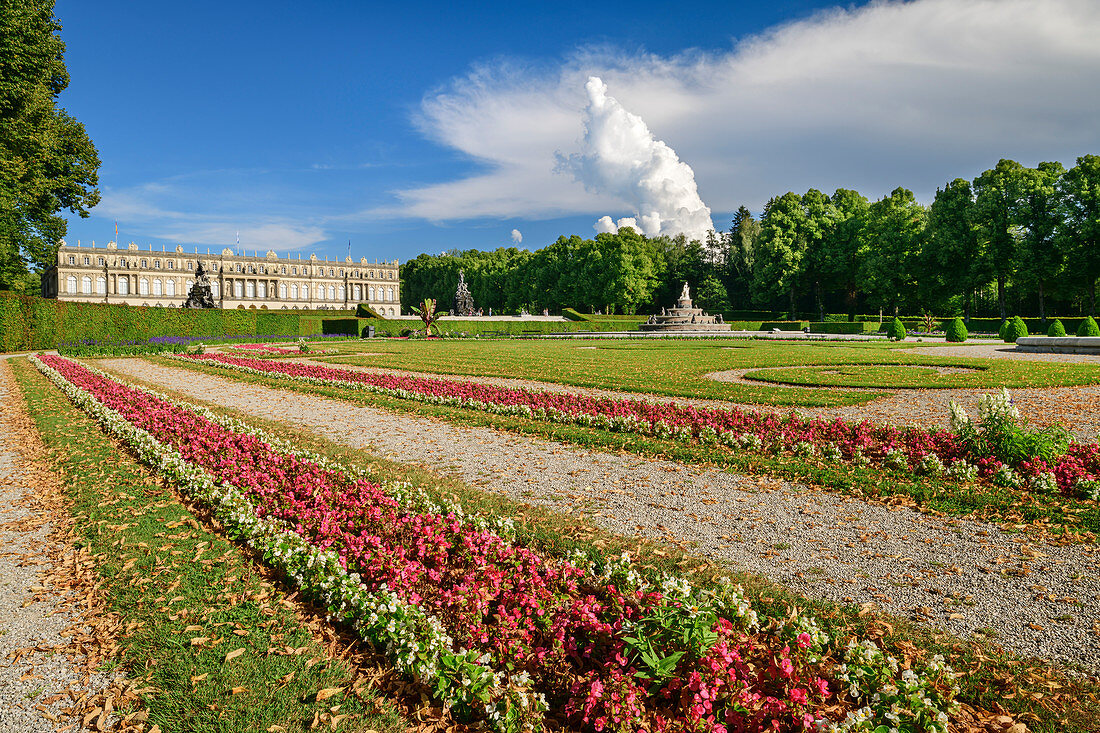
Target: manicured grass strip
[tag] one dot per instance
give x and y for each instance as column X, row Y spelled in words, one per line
column 191, row 598
column 1016, row 508
column 992, row 680
column 678, row 368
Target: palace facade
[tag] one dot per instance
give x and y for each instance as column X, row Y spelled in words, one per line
column 134, row 276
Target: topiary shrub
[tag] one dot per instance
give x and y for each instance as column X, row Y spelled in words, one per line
column 1056, row 329
column 896, row 330
column 1088, row 327
column 956, row 331
column 1015, row 329
column 1002, row 332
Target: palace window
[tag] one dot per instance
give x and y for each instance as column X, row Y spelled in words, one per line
column 86, row 285
column 250, row 289
column 389, row 294
column 101, row 262
column 282, row 290
column 343, row 293
column 238, row 288
column 358, row 292
column 370, row 290
column 190, row 284
column 372, row 273
column 331, row 293
column 238, row 267
column 341, row 272
column 170, row 288
column 124, row 286
column 87, row 260
column 171, row 264
column 143, row 286
column 190, row 265
column 144, row 264
column 122, row 263
column 156, row 264
column 214, row 267
column 158, row 288
column 294, row 270
column 284, row 269
column 215, row 290
column 261, row 289
column 71, row 284
column 72, row 259
column 101, row 285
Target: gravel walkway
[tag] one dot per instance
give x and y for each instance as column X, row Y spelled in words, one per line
column 959, row 575
column 42, row 677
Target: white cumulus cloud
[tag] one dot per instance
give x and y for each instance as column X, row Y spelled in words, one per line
column 517, row 236
column 887, row 94
column 620, row 156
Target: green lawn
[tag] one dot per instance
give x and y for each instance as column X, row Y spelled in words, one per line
column 678, row 368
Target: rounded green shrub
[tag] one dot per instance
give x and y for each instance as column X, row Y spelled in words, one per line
column 1088, row 327
column 1002, row 332
column 956, row 331
column 1056, row 329
column 1015, row 329
column 896, row 330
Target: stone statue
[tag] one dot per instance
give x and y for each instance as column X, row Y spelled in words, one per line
column 464, row 302
column 684, row 295
column 200, row 295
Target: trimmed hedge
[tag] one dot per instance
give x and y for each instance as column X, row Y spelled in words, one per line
column 956, row 332
column 29, row 322
column 856, row 327
column 1088, row 327
column 784, row 325
column 1014, row 329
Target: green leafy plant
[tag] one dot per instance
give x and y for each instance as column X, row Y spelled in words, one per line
column 928, row 322
column 428, row 314
column 663, row 637
column 1015, row 329
column 1088, row 328
column 956, row 331
column 1056, row 329
column 896, row 330
column 1002, row 432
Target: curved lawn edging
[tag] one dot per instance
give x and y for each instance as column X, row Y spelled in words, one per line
column 610, row 631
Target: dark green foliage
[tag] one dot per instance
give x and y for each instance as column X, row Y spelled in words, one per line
column 1056, row 329
column 956, row 331
column 896, row 330
column 363, row 310
column 1088, row 328
column 1002, row 331
column 37, row 323
column 1014, row 329
column 843, row 327
column 47, row 161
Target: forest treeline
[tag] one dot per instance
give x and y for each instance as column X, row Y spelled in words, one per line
column 1014, row 240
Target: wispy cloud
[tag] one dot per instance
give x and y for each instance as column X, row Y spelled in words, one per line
column 893, row 93
column 193, row 209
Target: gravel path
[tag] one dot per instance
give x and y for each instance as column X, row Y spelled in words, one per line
column 41, row 679
column 959, row 575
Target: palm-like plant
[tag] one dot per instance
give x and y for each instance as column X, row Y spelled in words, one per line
column 428, row 314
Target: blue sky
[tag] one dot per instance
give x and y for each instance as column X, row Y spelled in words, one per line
column 416, row 127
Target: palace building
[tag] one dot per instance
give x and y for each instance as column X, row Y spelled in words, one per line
column 134, row 276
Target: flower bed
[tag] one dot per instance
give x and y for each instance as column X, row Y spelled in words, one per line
column 264, row 348
column 966, row 453
column 495, row 628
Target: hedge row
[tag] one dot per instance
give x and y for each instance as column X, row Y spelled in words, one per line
column 28, row 322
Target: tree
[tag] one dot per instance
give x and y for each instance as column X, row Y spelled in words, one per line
column 47, row 161
column 1080, row 196
column 781, row 250
column 843, row 246
column 1038, row 216
column 741, row 253
column 996, row 193
column 895, row 225
column 428, row 314
column 820, row 217
column 954, row 261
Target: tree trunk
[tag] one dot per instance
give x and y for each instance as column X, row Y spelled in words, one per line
column 791, row 291
column 820, row 302
column 1042, row 304
column 1092, row 298
column 1001, row 296
column 966, row 308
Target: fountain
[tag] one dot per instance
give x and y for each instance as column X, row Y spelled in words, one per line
column 684, row 318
